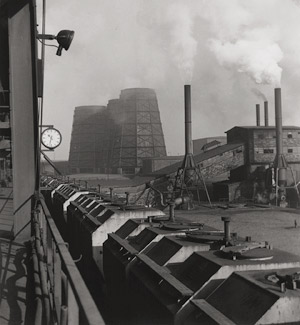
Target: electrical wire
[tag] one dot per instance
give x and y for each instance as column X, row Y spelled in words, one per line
column 45, row 44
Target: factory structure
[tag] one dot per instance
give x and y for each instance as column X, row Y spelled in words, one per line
column 74, row 254
column 115, row 139
column 126, row 137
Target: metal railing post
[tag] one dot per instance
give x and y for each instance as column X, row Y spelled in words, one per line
column 66, row 299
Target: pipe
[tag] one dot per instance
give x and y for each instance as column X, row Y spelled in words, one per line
column 172, row 212
column 182, row 200
column 174, row 203
column 64, row 315
column 257, row 115
column 266, row 108
column 127, row 198
column 148, row 185
column 188, row 120
column 227, row 236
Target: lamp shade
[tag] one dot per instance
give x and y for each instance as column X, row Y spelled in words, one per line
column 64, row 39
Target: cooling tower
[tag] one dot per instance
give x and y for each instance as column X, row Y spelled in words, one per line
column 138, row 131
column 89, row 149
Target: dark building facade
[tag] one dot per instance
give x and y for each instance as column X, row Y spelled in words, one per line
column 115, row 139
column 260, row 146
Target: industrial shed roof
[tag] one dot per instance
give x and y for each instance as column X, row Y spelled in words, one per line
column 265, row 127
column 211, row 144
column 200, row 157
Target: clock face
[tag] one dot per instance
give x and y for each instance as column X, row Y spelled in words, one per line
column 51, row 138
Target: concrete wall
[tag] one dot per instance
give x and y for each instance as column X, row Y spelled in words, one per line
column 24, row 106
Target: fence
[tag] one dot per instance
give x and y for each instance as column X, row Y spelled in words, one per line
column 61, row 294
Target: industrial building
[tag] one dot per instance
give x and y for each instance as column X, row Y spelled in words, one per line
column 138, row 131
column 151, row 165
column 115, row 139
column 89, row 149
column 126, row 137
column 204, row 144
column 260, row 145
column 56, row 237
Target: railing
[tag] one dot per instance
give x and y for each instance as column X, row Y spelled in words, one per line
column 61, row 295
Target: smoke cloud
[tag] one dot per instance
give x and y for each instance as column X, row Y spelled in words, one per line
column 243, row 42
column 225, row 48
column 259, row 94
column 259, row 59
column 183, row 46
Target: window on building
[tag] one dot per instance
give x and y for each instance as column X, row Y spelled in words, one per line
column 290, row 150
column 259, row 150
column 290, row 135
column 268, row 150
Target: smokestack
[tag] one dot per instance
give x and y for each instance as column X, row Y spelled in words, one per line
column 278, row 122
column 266, row 113
column 188, row 120
column 257, row 115
column 281, row 164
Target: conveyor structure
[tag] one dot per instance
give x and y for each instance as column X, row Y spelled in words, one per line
column 154, row 271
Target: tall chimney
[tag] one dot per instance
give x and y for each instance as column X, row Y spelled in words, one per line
column 188, row 120
column 257, row 115
column 281, row 164
column 278, row 122
column 266, row 113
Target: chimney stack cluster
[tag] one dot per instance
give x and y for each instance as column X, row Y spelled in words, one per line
column 266, row 111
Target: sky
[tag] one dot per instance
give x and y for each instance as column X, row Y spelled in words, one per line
column 232, row 52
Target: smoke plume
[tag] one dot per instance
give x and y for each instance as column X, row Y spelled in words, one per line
column 246, row 45
column 259, row 94
column 225, row 47
column 183, row 46
column 258, row 59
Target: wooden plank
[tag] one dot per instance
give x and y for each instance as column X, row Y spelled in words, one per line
column 212, row 312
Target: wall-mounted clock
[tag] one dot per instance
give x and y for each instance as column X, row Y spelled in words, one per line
column 51, row 138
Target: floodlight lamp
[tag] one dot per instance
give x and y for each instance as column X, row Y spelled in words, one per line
column 64, row 39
